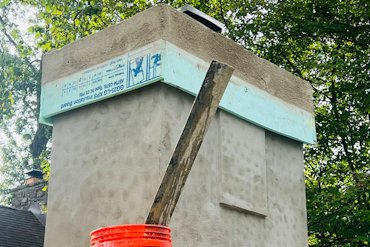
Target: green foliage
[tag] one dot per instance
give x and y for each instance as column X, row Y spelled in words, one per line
column 323, row 42
column 6, row 96
column 66, row 21
column 16, row 83
column 339, row 216
column 45, row 165
column 327, row 44
column 19, row 97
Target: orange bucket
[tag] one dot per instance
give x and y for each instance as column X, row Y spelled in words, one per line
column 131, row 235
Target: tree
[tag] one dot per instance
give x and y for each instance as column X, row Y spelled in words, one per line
column 26, row 141
column 323, row 42
column 327, row 44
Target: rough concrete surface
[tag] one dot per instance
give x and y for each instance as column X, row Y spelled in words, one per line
column 251, row 179
column 165, row 22
column 114, row 153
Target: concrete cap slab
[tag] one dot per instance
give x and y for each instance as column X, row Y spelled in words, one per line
column 165, row 22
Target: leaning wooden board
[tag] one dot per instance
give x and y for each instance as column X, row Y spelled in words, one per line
column 201, row 114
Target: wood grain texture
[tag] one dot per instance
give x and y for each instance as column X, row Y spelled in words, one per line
column 201, row 114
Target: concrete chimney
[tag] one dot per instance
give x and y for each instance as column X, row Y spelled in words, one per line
column 118, row 101
column 33, row 176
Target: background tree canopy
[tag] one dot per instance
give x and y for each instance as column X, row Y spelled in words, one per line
column 323, row 42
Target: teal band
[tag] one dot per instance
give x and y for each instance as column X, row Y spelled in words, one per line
column 162, row 61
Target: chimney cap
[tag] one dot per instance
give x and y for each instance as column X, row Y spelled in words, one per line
column 35, row 173
column 203, row 18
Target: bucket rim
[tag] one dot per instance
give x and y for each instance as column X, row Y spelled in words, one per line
column 129, row 225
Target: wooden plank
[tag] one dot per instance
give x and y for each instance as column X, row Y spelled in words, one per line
column 201, row 114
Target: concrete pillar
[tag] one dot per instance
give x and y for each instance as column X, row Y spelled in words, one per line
column 118, row 101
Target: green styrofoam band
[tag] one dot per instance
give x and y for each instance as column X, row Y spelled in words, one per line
column 162, row 61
